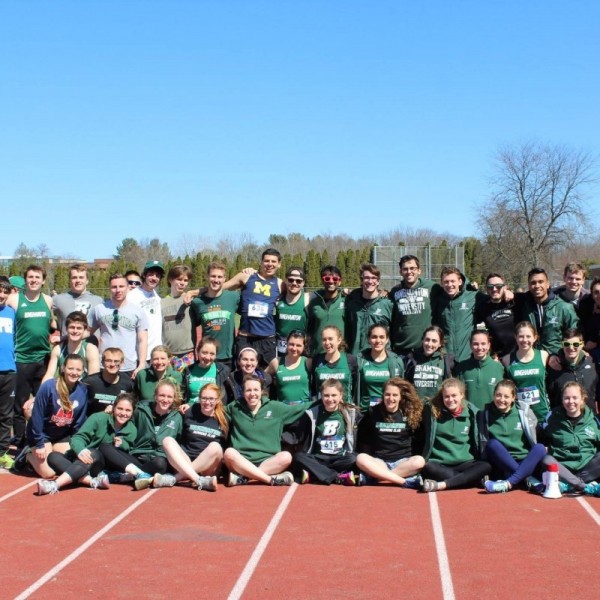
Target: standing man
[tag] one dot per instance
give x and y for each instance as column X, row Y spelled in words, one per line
column 213, row 313
column 176, row 321
column 146, row 297
column 291, row 308
column 34, row 323
column 8, row 372
column 122, row 325
column 498, row 315
column 104, row 387
column 573, row 291
column 259, row 294
column 76, row 299
column 365, row 307
column 550, row 315
column 326, row 308
column 412, row 306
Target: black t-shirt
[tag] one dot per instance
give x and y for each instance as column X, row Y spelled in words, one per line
column 102, row 394
column 199, row 431
column 385, row 436
column 499, row 319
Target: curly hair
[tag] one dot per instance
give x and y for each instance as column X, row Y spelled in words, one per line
column 410, row 403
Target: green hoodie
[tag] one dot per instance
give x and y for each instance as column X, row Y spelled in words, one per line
column 572, row 443
column 322, row 313
column 149, row 436
column 480, row 378
column 146, row 380
column 258, row 437
column 360, row 314
column 99, row 428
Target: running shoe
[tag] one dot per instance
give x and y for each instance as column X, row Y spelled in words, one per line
column 166, row 480
column 413, row 483
column 208, row 484
column 285, row 478
column 535, row 486
column 305, row 477
column 100, row 482
column 46, row 486
column 235, row 479
column 119, row 477
column 142, row 481
column 429, row 485
column 347, row 478
column 497, row 487
column 6, row 461
column 592, row 489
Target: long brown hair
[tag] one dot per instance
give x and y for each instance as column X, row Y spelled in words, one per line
column 219, row 409
column 437, row 402
column 64, row 394
column 410, row 403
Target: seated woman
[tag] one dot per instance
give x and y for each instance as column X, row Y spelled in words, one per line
column 59, row 410
column 160, row 369
column 76, row 325
column 386, row 436
column 206, row 369
column 573, row 439
column 255, row 427
column 451, row 441
column 247, row 362
column 429, row 365
column 375, row 366
column 83, row 463
column 572, row 364
column 331, row 457
column 507, row 433
column 154, row 420
column 199, row 454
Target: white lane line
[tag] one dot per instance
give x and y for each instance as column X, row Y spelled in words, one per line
column 590, row 511
column 244, row 578
column 15, row 492
column 79, row 551
column 440, row 546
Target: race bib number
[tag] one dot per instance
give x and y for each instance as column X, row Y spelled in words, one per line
column 258, row 310
column 331, row 445
column 529, row 395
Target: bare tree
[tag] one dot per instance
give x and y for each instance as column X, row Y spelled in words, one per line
column 538, row 202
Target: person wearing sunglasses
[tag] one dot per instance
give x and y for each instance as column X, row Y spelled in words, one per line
column 121, row 324
column 326, row 308
column 497, row 315
column 573, row 365
column 291, row 308
column 134, row 279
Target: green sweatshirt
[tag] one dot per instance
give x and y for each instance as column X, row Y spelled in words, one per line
column 321, row 313
column 99, row 428
column 572, row 443
column 360, row 314
column 149, row 435
column 480, row 378
column 258, row 437
column 507, row 428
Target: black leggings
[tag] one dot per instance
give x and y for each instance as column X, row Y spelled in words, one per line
column 463, row 475
column 118, row 460
column 325, row 468
column 73, row 467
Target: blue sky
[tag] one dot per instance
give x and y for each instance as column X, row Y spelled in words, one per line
column 183, row 119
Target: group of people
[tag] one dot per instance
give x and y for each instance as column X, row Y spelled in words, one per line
column 430, row 386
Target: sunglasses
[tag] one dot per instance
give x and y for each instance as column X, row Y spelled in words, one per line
column 134, row 282
column 295, row 280
column 495, row 286
column 115, row 319
column 331, row 279
column 572, row 344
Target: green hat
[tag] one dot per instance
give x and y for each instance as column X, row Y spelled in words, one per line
column 17, row 281
column 154, row 264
